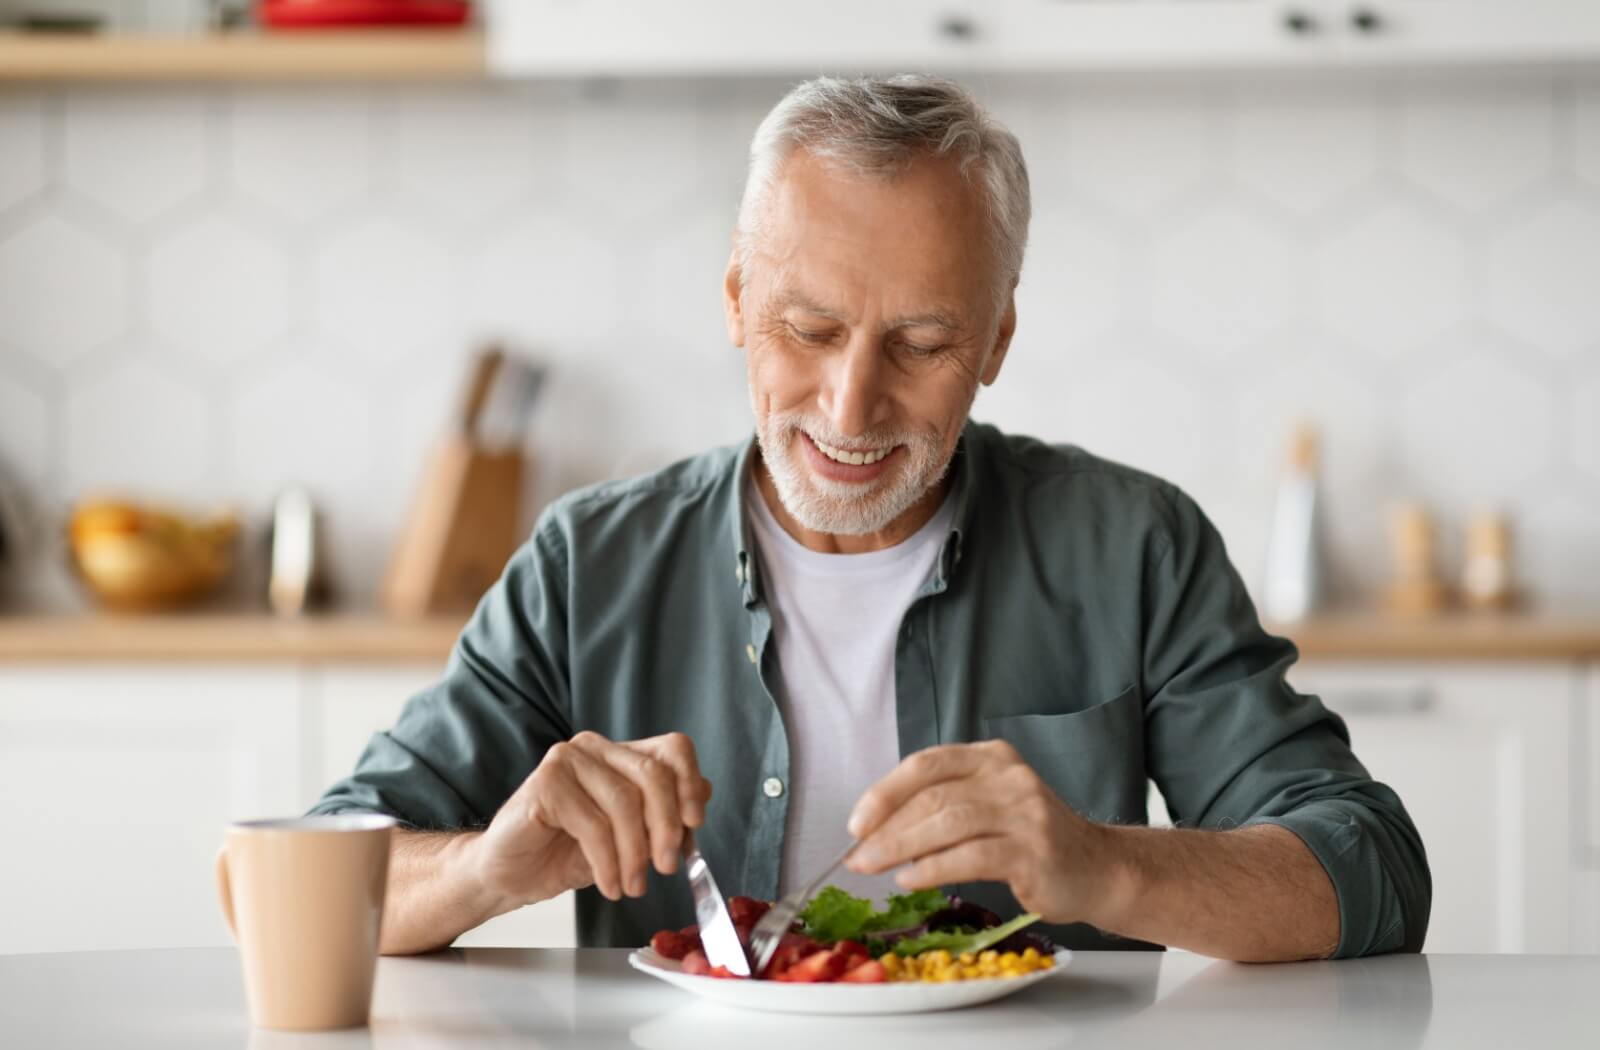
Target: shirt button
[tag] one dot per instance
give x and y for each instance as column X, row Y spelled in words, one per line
column 750, row 651
column 772, row 787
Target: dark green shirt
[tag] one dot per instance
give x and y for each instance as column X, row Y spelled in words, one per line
column 1082, row 610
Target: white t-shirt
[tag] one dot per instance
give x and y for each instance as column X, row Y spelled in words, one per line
column 835, row 618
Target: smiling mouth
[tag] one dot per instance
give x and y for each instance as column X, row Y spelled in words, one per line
column 853, row 459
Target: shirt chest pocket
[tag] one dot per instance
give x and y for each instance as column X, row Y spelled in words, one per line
column 1093, row 759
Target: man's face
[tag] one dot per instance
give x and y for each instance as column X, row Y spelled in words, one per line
column 868, row 320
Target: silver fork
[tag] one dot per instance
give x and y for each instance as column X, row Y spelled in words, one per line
column 776, row 922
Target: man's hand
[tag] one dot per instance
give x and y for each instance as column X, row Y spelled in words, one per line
column 978, row 812
column 593, row 812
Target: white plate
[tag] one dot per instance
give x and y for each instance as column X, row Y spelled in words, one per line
column 895, row 997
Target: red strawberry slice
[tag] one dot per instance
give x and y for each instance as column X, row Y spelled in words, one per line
column 747, row 911
column 697, row 964
column 792, row 947
column 869, row 972
column 816, row 968
column 672, row 945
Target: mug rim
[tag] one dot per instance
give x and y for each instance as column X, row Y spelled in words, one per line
column 325, row 823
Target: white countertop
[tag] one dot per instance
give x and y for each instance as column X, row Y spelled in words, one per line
column 542, row 997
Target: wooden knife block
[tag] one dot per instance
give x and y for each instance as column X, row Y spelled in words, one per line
column 462, row 529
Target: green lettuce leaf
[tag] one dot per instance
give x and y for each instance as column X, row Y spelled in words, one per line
column 834, row 915
column 908, row 909
column 957, row 942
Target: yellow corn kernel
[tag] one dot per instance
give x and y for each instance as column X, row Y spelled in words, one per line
column 939, row 966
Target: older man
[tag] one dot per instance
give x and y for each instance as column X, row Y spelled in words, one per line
column 878, row 619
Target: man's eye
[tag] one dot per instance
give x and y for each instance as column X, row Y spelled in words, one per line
column 811, row 337
column 919, row 350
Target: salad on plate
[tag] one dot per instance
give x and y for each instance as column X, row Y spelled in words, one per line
column 924, row 936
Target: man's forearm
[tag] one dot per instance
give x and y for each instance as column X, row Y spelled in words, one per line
column 1253, row 894
column 433, row 897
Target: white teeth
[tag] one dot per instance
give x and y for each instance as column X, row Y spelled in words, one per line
column 856, row 459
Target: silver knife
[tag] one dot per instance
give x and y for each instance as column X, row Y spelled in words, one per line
column 717, row 935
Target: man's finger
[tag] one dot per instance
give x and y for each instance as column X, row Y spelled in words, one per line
column 564, row 805
column 658, row 786
column 934, row 829
column 623, row 807
column 676, row 750
column 919, row 807
column 915, row 774
column 975, row 860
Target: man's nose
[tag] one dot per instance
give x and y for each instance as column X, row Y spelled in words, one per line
column 855, row 400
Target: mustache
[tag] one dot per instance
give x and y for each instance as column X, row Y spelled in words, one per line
column 819, row 430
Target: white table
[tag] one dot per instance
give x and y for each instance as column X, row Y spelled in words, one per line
column 502, row 997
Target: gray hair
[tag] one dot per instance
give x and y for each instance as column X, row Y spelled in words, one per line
column 876, row 126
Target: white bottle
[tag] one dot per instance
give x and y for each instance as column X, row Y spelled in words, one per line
column 1293, row 585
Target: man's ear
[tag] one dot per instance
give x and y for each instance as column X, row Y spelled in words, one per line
column 732, row 307
column 1002, row 341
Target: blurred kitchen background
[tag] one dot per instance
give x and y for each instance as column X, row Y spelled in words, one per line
column 237, row 263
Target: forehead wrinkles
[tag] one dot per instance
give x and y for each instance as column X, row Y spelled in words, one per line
column 820, row 223
column 934, row 317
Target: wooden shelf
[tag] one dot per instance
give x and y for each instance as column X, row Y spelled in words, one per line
column 1365, row 635
column 309, row 55
column 226, row 638
column 214, row 637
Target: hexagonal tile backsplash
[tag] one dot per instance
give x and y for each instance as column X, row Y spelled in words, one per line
column 207, row 292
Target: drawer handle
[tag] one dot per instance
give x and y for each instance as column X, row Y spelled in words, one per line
column 1414, row 701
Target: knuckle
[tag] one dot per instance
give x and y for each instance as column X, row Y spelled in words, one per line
column 658, row 776
column 951, row 819
column 1020, row 778
column 1002, row 749
column 940, row 799
column 588, row 738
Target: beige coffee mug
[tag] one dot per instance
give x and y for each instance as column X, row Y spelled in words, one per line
column 304, row 899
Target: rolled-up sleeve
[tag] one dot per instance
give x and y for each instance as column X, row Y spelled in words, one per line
column 464, row 744
column 1232, row 744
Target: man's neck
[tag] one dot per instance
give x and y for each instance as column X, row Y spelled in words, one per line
column 896, row 532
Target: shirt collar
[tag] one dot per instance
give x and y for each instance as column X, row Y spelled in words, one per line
column 746, row 564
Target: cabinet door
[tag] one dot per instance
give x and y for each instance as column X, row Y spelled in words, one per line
column 1586, row 857
column 1453, row 32
column 350, row 703
column 116, row 783
column 542, row 38
column 1480, row 754
column 643, row 37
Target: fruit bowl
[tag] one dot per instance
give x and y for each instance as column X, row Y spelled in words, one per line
column 139, row 558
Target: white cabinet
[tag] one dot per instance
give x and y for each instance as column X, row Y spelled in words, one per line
column 353, row 702
column 1481, row 754
column 729, row 37
column 115, row 784
column 1586, row 851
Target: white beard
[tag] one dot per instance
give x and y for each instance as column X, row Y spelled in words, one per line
column 843, row 508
